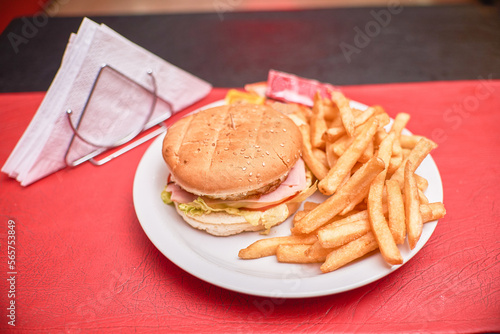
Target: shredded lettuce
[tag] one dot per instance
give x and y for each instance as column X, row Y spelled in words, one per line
column 267, row 218
column 165, row 197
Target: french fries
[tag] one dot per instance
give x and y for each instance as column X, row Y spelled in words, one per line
column 414, row 221
column 316, row 166
column 378, row 223
column 267, row 247
column 329, row 184
column 396, row 208
column 349, row 252
column 375, row 200
column 336, row 203
column 345, row 111
column 297, row 254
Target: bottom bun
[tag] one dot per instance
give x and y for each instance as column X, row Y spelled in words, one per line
column 223, row 224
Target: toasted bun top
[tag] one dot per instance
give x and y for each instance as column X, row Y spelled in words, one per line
column 239, row 149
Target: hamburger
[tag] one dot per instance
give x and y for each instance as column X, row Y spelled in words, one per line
column 235, row 168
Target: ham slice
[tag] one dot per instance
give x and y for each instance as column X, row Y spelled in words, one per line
column 294, row 183
column 179, row 195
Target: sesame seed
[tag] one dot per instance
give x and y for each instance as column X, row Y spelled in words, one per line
column 263, row 164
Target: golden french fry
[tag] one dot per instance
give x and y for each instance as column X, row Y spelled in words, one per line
column 385, row 150
column 343, row 234
column 342, row 198
column 409, row 141
column 367, row 153
column 383, row 119
column 333, row 133
column 317, row 251
column 399, row 123
column 421, row 196
column 317, row 168
column 359, row 198
column 361, row 207
column 413, row 216
column 329, row 184
column 379, row 225
column 432, row 211
column 267, row 247
column 417, row 155
column 297, row 254
column 397, row 152
column 379, row 109
column 346, row 220
column 308, row 205
column 349, row 252
column 406, row 153
column 363, row 116
column 379, row 136
column 331, row 157
column 320, row 156
column 396, row 208
column 394, row 164
column 317, row 123
column 345, row 111
column 299, row 215
column 340, row 145
column 330, row 111
column 422, row 182
column 383, row 153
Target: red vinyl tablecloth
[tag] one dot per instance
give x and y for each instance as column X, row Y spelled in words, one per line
column 84, row 264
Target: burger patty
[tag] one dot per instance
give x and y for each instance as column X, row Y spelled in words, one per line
column 256, row 193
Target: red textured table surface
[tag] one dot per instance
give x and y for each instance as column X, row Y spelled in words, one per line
column 85, row 265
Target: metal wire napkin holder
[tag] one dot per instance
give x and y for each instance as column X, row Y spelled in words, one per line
column 127, row 140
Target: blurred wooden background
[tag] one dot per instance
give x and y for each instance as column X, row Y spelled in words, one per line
column 10, row 9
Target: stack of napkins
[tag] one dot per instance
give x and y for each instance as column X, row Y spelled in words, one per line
column 122, row 99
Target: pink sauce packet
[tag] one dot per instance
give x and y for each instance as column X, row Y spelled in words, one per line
column 288, row 87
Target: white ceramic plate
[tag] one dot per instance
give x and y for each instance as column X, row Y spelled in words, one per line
column 215, row 259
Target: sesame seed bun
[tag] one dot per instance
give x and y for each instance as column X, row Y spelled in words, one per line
column 232, row 152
